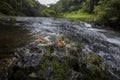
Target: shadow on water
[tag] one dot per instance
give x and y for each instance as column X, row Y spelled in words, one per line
column 12, row 37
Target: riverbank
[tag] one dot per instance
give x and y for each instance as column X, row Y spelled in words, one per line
column 80, row 16
column 90, row 18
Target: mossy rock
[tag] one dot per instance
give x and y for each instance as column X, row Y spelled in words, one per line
column 49, row 49
column 59, row 68
column 93, row 58
column 93, row 69
column 95, row 72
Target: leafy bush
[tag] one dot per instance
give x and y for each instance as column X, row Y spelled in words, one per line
column 107, row 12
column 48, row 13
column 5, row 8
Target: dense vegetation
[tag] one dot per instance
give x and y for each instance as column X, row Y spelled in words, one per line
column 74, row 5
column 105, row 12
column 21, row 8
column 108, row 12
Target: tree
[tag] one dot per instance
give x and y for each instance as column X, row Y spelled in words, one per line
column 88, row 5
column 21, row 7
column 108, row 13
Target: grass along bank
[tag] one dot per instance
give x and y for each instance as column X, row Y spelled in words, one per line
column 77, row 15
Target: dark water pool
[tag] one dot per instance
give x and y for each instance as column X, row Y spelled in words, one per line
column 12, row 37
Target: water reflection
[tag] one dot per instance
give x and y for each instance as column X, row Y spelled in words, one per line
column 12, row 37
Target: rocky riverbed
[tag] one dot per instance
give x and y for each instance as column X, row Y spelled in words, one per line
column 58, row 49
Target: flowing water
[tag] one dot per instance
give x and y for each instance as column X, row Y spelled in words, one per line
column 105, row 42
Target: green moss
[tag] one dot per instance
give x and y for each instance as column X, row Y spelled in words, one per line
column 95, row 72
column 45, row 65
column 60, row 68
column 72, row 38
column 92, row 67
column 94, row 58
column 49, row 49
column 75, row 41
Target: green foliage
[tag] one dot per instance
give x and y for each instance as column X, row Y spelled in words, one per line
column 95, row 72
column 93, row 69
column 94, row 58
column 79, row 15
column 21, row 7
column 49, row 49
column 12, row 19
column 48, row 13
column 107, row 12
column 67, row 5
column 88, row 5
column 5, row 8
column 60, row 68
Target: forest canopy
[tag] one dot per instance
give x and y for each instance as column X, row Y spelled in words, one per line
column 21, row 7
column 106, row 12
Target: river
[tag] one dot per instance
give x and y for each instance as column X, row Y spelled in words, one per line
column 17, row 36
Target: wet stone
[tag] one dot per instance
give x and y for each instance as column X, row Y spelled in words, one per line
column 27, row 61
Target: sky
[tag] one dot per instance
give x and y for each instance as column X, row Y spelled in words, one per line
column 46, row 2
